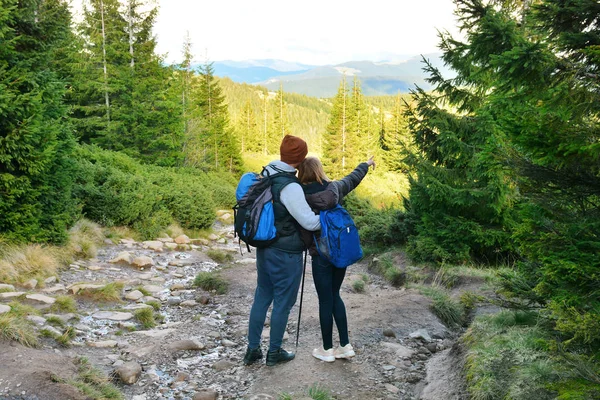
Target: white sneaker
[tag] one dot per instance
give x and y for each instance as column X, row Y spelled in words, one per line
column 324, row 355
column 344, row 351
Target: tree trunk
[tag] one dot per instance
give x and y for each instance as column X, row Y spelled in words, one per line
column 106, row 98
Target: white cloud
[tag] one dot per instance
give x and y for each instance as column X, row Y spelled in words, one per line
column 307, row 31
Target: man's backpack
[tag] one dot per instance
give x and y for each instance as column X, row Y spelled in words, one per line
column 339, row 242
column 254, row 217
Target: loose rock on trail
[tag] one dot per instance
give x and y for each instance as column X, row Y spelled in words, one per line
column 196, row 351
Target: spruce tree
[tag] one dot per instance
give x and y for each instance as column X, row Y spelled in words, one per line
column 35, row 139
column 280, row 122
column 335, row 146
column 248, row 132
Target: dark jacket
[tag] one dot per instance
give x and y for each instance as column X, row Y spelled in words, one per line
column 323, row 196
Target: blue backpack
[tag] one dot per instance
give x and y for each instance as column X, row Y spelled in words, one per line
column 254, row 216
column 339, row 242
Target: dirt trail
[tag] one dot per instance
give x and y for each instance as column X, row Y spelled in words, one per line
column 387, row 366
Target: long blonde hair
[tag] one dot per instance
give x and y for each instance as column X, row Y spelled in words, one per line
column 311, row 170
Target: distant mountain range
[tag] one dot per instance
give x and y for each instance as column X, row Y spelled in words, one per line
column 377, row 78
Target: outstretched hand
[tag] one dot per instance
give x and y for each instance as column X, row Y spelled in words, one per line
column 371, row 162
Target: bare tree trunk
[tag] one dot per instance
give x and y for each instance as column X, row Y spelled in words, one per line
column 107, row 101
column 344, row 128
column 265, row 125
column 132, row 63
column 281, row 110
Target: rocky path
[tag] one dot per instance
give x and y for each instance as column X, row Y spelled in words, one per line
column 196, row 350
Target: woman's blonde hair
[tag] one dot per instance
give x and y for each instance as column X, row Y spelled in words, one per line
column 311, row 170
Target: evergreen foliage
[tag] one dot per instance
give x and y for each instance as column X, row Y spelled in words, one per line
column 35, row 139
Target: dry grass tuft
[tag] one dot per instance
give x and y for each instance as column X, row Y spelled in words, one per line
column 109, row 293
column 19, row 263
column 14, row 328
column 174, row 230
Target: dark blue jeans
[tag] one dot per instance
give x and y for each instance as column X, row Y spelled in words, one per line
column 328, row 281
column 279, row 275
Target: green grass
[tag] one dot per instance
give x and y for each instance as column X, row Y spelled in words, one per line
column 21, row 310
column 510, row 355
column 64, row 340
column 93, row 383
column 145, row 317
column 448, row 310
column 18, row 329
column 219, row 256
column 210, row 281
column 317, row 392
column 358, row 286
column 142, row 290
column 55, row 322
column 110, row 293
column 155, row 304
column 384, row 266
column 64, row 304
column 284, row 396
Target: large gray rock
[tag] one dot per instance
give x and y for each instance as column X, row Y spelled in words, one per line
column 7, row 287
column 400, row 350
column 103, row 344
column 129, row 372
column 30, row 284
column 153, row 288
column 155, row 245
column 421, row 334
column 182, row 239
column 4, row 309
column 81, row 286
column 10, row 295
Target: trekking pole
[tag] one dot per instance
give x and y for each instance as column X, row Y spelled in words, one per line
column 301, row 295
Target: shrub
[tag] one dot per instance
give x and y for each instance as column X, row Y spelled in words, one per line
column 219, row 255
column 384, row 266
column 448, row 310
column 211, row 281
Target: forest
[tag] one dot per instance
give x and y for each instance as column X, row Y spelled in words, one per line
column 498, row 166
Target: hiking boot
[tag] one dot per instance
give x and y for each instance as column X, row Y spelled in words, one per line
column 344, row 351
column 324, row 355
column 252, row 355
column 279, row 356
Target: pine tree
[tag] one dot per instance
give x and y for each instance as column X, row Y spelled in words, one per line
column 394, row 139
column 335, row 146
column 247, row 130
column 35, row 140
column 362, row 141
column 280, row 123
column 214, row 139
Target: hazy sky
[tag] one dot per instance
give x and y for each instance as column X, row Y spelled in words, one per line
column 306, row 31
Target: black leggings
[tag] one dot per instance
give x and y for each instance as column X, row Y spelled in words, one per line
column 328, row 280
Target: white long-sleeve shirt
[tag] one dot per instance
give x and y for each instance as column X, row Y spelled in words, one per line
column 292, row 197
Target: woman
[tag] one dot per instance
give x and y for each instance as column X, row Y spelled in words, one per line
column 323, row 194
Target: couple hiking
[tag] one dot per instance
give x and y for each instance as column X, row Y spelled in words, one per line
column 296, row 204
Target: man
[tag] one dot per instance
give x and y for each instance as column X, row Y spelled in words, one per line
column 279, row 266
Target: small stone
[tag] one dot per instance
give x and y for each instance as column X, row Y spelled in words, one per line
column 166, row 239
column 182, row 239
column 41, row 298
column 247, row 261
column 228, row 343
column 94, row 268
column 103, row 344
column 182, row 377
column 221, row 241
column 222, row 365
column 171, row 246
column 153, row 289
column 155, row 245
column 76, row 288
column 129, row 372
column 143, row 261
column 432, row 347
column 389, row 367
column 65, row 318
column 424, row 350
column 261, row 396
column 214, row 335
column 7, row 287
column 134, row 295
column 113, row 315
column 189, row 303
column 139, row 397
column 204, row 300
column 30, row 284
column 5, row 309
column 212, row 237
column 391, row 388
column 54, row 289
column 188, row 344
column 50, row 280
column 158, row 279
column 421, row 334
column 177, row 286
column 389, row 333
column 207, row 394
column 174, row 301
column 122, row 257
column 400, row 350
